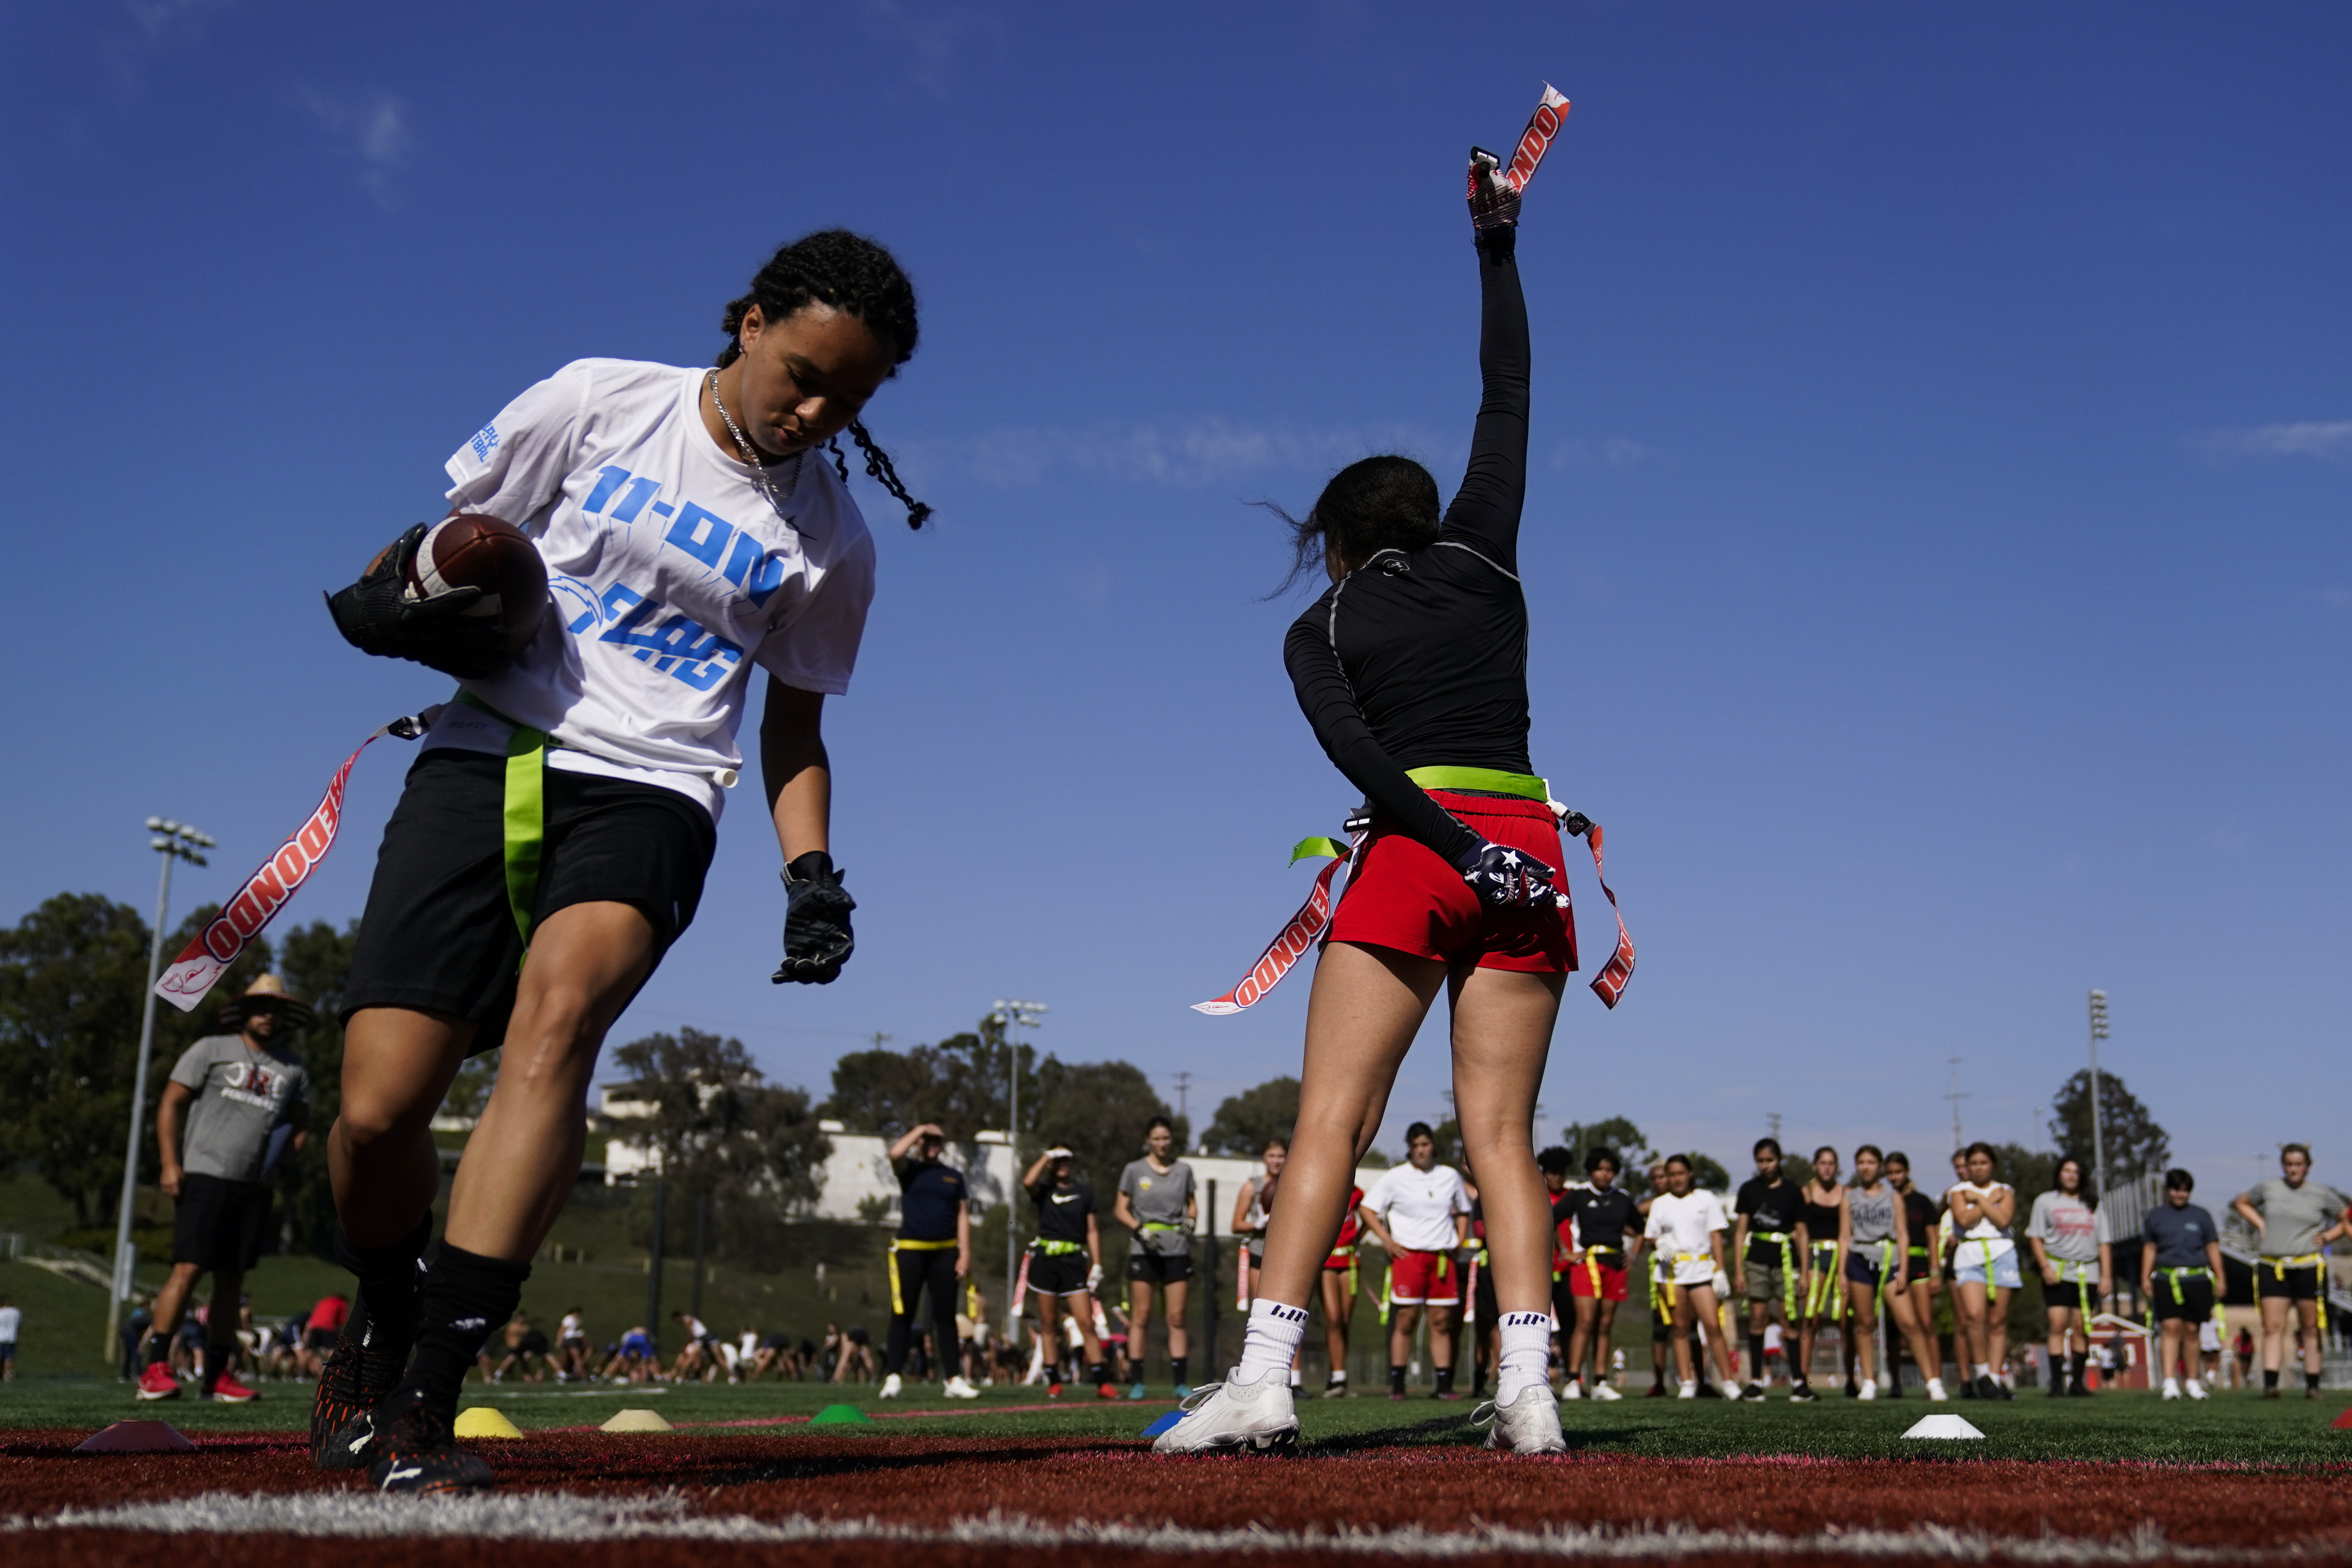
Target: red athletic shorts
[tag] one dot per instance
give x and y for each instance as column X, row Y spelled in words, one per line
column 1417, row 1277
column 1401, row 895
column 1580, row 1280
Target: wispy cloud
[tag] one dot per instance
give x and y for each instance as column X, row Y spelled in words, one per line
column 2323, row 438
column 1182, row 453
column 372, row 128
column 157, row 18
column 938, row 37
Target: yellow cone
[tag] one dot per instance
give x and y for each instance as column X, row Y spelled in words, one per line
column 482, row 1421
column 636, row 1421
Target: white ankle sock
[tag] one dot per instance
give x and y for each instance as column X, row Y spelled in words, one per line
column 1525, row 1346
column 1272, row 1338
column 1984, row 1369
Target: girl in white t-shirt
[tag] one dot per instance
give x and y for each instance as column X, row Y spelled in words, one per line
column 566, row 805
column 1686, row 1227
column 1984, row 1265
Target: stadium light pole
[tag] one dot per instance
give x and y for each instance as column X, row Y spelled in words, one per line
column 2098, row 1130
column 1010, row 1015
column 173, row 841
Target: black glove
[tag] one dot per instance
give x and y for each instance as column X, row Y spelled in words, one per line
column 817, row 939
column 1494, row 204
column 376, row 616
column 1508, row 879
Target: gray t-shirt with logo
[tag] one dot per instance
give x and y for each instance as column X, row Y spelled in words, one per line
column 2066, row 1226
column 241, row 1096
column 1158, row 1198
column 2292, row 1217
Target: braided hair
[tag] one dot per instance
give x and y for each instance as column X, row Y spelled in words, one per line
column 854, row 276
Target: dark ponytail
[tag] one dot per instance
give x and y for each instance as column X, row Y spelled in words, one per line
column 854, row 276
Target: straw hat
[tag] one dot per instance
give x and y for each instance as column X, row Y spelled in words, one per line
column 266, row 991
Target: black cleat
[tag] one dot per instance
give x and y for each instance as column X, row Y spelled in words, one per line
column 416, row 1455
column 1802, row 1393
column 339, row 1404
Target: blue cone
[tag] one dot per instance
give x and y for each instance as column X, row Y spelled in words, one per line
column 1164, row 1423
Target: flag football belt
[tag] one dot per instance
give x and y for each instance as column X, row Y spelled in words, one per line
column 2173, row 1276
column 1590, row 1257
column 1314, row 917
column 906, row 1244
column 2278, row 1268
column 1666, row 1286
column 2082, row 1272
column 1788, row 1271
column 1057, row 1249
column 1823, row 1291
column 248, row 913
column 1444, row 1262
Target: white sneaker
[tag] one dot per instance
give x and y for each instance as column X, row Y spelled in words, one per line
column 1252, row 1417
column 1572, row 1389
column 1687, row 1391
column 2195, row 1390
column 1870, row 1389
column 956, row 1388
column 1602, row 1391
column 890, row 1387
column 1935, row 1395
column 2172, row 1388
column 1528, row 1425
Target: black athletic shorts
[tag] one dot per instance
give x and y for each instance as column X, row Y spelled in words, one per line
column 1482, row 1298
column 219, row 1222
column 1058, row 1273
column 2074, row 1295
column 1153, row 1268
column 2196, row 1303
column 437, row 936
column 2293, row 1284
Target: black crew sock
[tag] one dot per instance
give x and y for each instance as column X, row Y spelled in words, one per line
column 2311, row 1382
column 382, row 1317
column 1396, row 1378
column 1478, row 1378
column 1444, row 1379
column 1097, row 1373
column 2270, row 1378
column 465, row 1296
column 2074, row 1365
column 1756, row 1358
column 1661, row 1352
column 159, row 1351
column 1176, row 1369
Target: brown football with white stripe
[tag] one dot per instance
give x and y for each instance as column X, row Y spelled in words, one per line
column 472, row 550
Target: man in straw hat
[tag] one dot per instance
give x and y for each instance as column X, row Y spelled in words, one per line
column 245, row 1105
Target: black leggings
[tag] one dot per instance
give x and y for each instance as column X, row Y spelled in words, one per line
column 934, row 1267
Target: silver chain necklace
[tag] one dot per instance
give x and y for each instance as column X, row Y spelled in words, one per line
column 759, row 469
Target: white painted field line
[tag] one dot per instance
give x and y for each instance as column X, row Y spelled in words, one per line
column 558, row 1516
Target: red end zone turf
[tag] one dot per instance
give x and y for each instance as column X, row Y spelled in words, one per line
column 883, row 1501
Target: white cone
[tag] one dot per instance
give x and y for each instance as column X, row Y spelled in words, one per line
column 1942, row 1427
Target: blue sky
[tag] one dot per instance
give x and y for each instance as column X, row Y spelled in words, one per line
column 1937, row 537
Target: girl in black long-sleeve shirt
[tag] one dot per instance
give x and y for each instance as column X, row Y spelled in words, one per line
column 1413, row 670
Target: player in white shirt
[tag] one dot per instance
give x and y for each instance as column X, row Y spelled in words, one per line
column 691, row 529
column 1984, row 1261
column 1686, row 1227
column 1420, row 1214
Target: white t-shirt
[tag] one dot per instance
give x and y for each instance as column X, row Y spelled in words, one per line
column 1680, row 1226
column 574, row 1328
column 1418, row 1206
column 11, row 1319
column 1984, row 1240
column 670, row 576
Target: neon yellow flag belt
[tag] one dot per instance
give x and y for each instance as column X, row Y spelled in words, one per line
column 524, row 815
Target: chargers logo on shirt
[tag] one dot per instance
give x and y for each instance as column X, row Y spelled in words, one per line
column 250, row 1083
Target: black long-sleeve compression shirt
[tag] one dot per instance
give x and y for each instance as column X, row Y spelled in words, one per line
column 1418, row 658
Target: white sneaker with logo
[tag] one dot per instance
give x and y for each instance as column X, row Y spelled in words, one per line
column 956, row 1388
column 1528, row 1425
column 890, row 1387
column 1687, row 1391
column 1935, row 1395
column 2194, row 1389
column 1254, row 1417
column 1572, row 1389
column 2172, row 1388
column 1602, row 1391
column 1870, row 1389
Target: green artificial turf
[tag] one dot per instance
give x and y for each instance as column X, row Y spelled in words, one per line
column 2233, row 1428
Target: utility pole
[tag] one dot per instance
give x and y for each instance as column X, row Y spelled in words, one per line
column 1183, row 1110
column 173, row 841
column 2098, row 1128
column 1773, row 1117
column 1008, row 1016
column 1955, row 1095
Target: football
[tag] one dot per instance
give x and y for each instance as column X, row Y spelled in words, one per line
column 472, row 551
